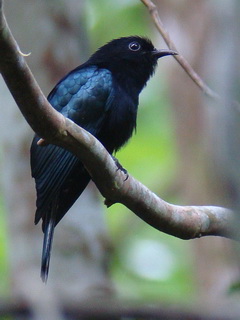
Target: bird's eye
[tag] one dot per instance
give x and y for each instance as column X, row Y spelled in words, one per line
column 134, row 46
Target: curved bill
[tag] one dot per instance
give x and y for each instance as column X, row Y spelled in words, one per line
column 164, row 52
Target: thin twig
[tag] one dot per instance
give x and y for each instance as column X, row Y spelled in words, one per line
column 181, row 60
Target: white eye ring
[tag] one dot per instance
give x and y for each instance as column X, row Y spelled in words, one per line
column 134, row 46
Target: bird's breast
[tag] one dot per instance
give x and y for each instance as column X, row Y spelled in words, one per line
column 120, row 121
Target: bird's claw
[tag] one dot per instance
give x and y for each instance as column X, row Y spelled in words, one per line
column 120, row 167
column 42, row 142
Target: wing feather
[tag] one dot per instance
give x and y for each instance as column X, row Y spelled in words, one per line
column 81, row 96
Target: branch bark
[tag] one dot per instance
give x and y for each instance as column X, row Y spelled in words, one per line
column 184, row 222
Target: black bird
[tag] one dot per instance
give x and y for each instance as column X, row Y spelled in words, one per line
column 101, row 96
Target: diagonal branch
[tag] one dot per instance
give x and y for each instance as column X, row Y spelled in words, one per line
column 184, row 222
column 181, row 60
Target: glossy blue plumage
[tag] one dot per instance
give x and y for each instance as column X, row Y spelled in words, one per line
column 102, row 97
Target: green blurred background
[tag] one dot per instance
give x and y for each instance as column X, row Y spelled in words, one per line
column 147, row 265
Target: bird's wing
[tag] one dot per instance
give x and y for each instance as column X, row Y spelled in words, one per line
column 81, row 96
column 50, row 167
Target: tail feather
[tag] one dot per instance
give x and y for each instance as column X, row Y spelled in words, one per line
column 47, row 246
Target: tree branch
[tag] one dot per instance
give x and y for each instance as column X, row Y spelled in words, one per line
column 184, row 222
column 103, row 310
column 181, row 60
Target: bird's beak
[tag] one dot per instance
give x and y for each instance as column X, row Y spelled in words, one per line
column 164, row 52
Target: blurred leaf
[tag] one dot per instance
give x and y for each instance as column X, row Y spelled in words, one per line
column 176, row 286
column 235, row 287
column 113, row 19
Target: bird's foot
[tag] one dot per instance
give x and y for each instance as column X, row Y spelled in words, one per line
column 108, row 202
column 42, row 143
column 120, row 167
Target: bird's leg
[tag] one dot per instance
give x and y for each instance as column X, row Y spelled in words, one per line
column 42, row 142
column 108, row 203
column 120, row 167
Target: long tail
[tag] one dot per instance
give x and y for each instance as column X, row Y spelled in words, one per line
column 49, row 223
column 46, row 251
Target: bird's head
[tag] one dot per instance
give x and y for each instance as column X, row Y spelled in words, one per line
column 130, row 49
column 130, row 56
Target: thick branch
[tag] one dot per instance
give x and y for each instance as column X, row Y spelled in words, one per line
column 184, row 222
